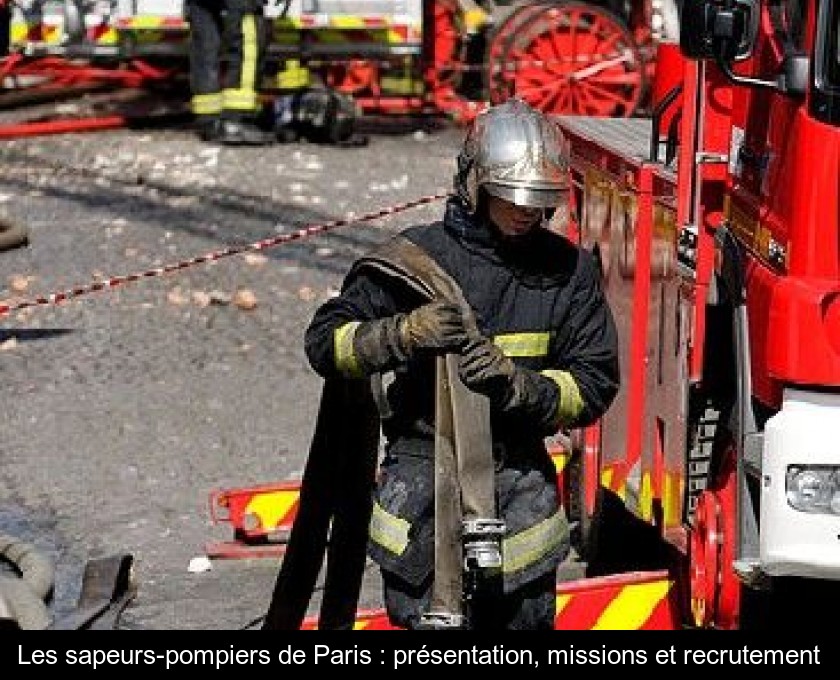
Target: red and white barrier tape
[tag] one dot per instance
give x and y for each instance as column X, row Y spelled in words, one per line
column 114, row 281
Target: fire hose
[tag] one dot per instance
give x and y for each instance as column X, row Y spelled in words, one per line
column 24, row 597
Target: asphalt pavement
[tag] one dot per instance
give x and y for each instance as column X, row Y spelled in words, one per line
column 125, row 408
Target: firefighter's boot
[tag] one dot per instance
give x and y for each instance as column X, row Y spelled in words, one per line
column 207, row 127
column 242, row 133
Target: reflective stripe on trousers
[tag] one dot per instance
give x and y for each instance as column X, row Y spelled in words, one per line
column 519, row 550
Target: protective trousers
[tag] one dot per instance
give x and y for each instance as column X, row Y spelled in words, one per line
column 227, row 48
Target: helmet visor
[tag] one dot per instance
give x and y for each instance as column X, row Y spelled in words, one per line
column 530, row 196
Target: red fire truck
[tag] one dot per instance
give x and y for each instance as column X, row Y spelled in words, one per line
column 716, row 224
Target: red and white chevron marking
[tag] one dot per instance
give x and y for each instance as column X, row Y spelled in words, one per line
column 115, row 281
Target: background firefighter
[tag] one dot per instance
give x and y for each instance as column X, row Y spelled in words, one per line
column 537, row 339
column 227, row 50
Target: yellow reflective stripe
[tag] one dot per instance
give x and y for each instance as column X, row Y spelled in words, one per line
column 323, row 20
column 346, row 361
column 204, row 104
column 518, row 551
column 19, row 31
column 51, row 34
column 348, row 22
column 248, row 74
column 523, row 344
column 288, row 22
column 272, row 507
column 475, row 19
column 395, row 37
column 528, row 546
column 570, row 404
column 633, row 606
column 245, row 97
column 336, row 36
column 108, row 37
column 387, row 530
column 292, row 75
column 142, row 22
column 401, row 84
column 240, row 100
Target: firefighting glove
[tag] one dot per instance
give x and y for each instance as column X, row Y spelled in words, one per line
column 384, row 344
column 512, row 389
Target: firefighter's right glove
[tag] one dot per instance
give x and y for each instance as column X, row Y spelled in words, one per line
column 512, row 389
column 437, row 326
column 384, row 344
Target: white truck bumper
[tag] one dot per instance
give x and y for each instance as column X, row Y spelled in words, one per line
column 792, row 542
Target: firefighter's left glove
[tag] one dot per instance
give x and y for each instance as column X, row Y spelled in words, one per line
column 512, row 389
column 383, row 344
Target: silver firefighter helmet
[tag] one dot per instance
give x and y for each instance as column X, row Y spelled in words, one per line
column 516, row 153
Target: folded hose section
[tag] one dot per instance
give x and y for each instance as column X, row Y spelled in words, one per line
column 24, row 595
column 12, row 235
column 333, row 512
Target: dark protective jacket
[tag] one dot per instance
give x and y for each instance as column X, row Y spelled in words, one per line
column 539, row 298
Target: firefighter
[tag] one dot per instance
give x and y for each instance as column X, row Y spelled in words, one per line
column 538, row 340
column 5, row 27
column 226, row 50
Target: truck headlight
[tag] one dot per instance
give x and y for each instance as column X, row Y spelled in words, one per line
column 814, row 488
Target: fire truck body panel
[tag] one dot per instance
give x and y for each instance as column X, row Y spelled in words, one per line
column 628, row 217
column 791, row 222
column 784, row 211
column 723, row 271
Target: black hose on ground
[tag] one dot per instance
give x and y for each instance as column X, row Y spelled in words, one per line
column 24, row 598
column 12, row 235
